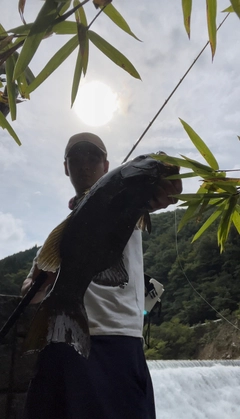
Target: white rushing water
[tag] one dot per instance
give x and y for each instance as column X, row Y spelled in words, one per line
column 196, row 389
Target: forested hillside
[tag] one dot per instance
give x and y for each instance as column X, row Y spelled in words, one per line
column 175, row 261
column 179, row 265
column 14, row 269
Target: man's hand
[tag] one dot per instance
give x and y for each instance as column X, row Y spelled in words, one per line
column 164, row 189
column 42, row 291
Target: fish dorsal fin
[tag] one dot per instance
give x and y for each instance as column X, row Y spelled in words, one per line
column 115, row 276
column 49, row 255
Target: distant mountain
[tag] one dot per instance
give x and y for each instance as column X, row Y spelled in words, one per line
column 14, row 269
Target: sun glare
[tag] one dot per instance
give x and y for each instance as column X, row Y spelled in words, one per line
column 95, row 103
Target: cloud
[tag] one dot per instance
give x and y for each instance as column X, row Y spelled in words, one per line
column 13, row 237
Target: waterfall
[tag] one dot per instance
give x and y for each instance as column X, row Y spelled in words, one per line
column 196, row 389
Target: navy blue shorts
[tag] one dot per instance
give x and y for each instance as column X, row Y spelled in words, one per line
column 114, row 383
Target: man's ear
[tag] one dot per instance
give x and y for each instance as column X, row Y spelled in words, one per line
column 65, row 168
column 106, row 166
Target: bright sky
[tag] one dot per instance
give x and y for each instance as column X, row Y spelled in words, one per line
column 34, row 189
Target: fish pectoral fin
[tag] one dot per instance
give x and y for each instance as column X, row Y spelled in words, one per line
column 48, row 258
column 57, row 321
column 115, row 276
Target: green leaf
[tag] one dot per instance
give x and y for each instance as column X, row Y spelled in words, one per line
column 225, row 222
column 236, row 6
column 229, row 187
column 5, row 125
column 11, row 88
column 65, row 6
column 198, row 168
column 45, row 18
column 65, row 28
column 82, row 30
column 202, row 196
column 84, row 46
column 228, row 10
column 187, row 10
column 211, row 21
column 115, row 16
column 54, row 63
column 21, row 30
column 82, row 15
column 77, row 77
column 200, row 145
column 188, row 214
column 236, row 220
column 207, row 223
column 113, row 54
column 181, row 176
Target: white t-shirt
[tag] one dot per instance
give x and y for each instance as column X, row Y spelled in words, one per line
column 115, row 310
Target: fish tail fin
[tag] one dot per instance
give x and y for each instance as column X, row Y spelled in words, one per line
column 53, row 322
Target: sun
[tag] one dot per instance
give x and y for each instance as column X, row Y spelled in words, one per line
column 95, row 103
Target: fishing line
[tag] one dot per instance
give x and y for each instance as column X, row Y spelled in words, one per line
column 188, row 280
column 171, row 94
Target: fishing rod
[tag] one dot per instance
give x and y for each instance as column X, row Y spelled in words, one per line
column 171, row 94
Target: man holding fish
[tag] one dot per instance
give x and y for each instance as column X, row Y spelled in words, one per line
column 104, row 375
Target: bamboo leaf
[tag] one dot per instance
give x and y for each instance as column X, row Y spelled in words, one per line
column 188, row 214
column 226, row 186
column 65, row 28
column 5, row 125
column 77, row 77
column 113, row 54
column 236, row 6
column 211, row 21
column 187, row 10
column 21, row 5
column 82, row 38
column 37, row 32
column 54, row 63
column 65, row 6
column 200, row 145
column 228, row 10
column 181, row 176
column 236, row 220
column 82, row 16
column 198, row 168
column 11, row 87
column 201, row 196
column 117, row 18
column 21, row 30
column 225, row 222
column 207, row 223
column 203, row 167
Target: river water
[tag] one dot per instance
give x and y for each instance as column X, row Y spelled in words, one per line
column 196, row 389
